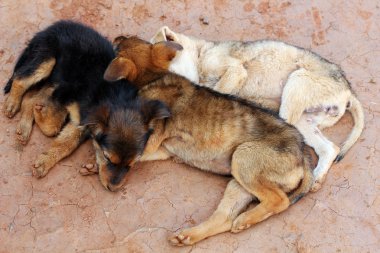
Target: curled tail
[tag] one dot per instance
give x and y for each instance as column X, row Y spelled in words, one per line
column 307, row 181
column 357, row 113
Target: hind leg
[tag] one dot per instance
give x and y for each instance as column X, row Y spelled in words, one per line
column 305, row 89
column 49, row 116
column 22, row 82
column 25, row 125
column 232, row 80
column 234, row 200
column 265, row 173
column 272, row 201
column 325, row 149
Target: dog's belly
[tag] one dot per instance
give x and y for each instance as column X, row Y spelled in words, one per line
column 216, row 161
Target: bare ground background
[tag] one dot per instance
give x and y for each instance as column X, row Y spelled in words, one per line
column 66, row 212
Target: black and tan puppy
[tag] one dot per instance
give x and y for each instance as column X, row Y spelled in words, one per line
column 74, row 57
column 217, row 133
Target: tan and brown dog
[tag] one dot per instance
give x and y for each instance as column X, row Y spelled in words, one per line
column 217, row 133
column 306, row 90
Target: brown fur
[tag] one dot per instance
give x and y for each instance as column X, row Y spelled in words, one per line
column 21, row 85
column 278, row 76
column 37, row 106
column 223, row 135
column 65, row 143
column 140, row 61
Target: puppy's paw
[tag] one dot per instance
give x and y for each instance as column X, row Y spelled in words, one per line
column 88, row 169
column 317, row 185
column 23, row 132
column 42, row 165
column 11, row 106
column 240, row 224
column 178, row 160
column 184, row 238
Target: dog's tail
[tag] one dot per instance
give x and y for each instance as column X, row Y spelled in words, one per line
column 306, row 183
column 357, row 113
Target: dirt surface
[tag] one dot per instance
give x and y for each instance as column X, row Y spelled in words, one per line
column 66, row 212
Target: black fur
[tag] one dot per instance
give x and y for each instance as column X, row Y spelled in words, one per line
column 82, row 56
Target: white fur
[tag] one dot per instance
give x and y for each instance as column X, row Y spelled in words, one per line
column 278, row 76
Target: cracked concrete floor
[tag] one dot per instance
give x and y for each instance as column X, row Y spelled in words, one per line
column 66, row 212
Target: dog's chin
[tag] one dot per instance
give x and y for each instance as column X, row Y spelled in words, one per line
column 105, row 180
column 113, row 188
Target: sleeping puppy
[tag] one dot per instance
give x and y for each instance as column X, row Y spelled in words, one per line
column 308, row 91
column 213, row 132
column 74, row 57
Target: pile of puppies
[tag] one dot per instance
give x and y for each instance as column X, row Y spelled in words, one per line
column 212, row 105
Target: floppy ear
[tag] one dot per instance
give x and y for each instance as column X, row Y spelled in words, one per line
column 164, row 52
column 97, row 120
column 117, row 41
column 154, row 109
column 164, row 34
column 120, row 68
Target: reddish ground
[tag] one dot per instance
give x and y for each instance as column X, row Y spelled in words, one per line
column 66, row 212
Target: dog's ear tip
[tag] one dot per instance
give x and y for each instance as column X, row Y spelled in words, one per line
column 108, row 77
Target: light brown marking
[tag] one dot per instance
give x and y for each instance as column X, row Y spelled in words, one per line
column 20, row 85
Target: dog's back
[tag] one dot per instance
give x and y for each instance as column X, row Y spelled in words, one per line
column 81, row 55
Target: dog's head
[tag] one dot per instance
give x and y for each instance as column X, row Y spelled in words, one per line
column 139, row 61
column 120, row 135
column 185, row 62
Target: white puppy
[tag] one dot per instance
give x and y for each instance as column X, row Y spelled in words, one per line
column 308, row 91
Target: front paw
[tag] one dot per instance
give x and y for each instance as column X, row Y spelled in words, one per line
column 185, row 237
column 88, row 169
column 240, row 224
column 317, row 185
column 23, row 133
column 11, row 106
column 42, row 165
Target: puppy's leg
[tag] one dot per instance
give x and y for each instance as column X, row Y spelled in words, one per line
column 49, row 117
column 272, row 201
column 160, row 154
column 261, row 170
column 65, row 143
column 234, row 200
column 25, row 125
column 325, row 149
column 22, row 82
column 232, row 80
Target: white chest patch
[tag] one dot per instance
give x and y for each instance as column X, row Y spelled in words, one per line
column 184, row 65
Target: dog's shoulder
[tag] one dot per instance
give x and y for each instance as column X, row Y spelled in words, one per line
column 82, row 56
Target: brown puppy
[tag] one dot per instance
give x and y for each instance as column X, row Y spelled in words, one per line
column 217, row 133
column 38, row 106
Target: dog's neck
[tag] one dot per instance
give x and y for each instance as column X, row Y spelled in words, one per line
column 169, row 88
column 147, row 76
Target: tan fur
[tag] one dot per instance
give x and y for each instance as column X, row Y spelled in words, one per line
column 37, row 106
column 247, row 146
column 63, row 145
column 270, row 72
column 73, row 110
column 21, row 85
column 264, row 154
